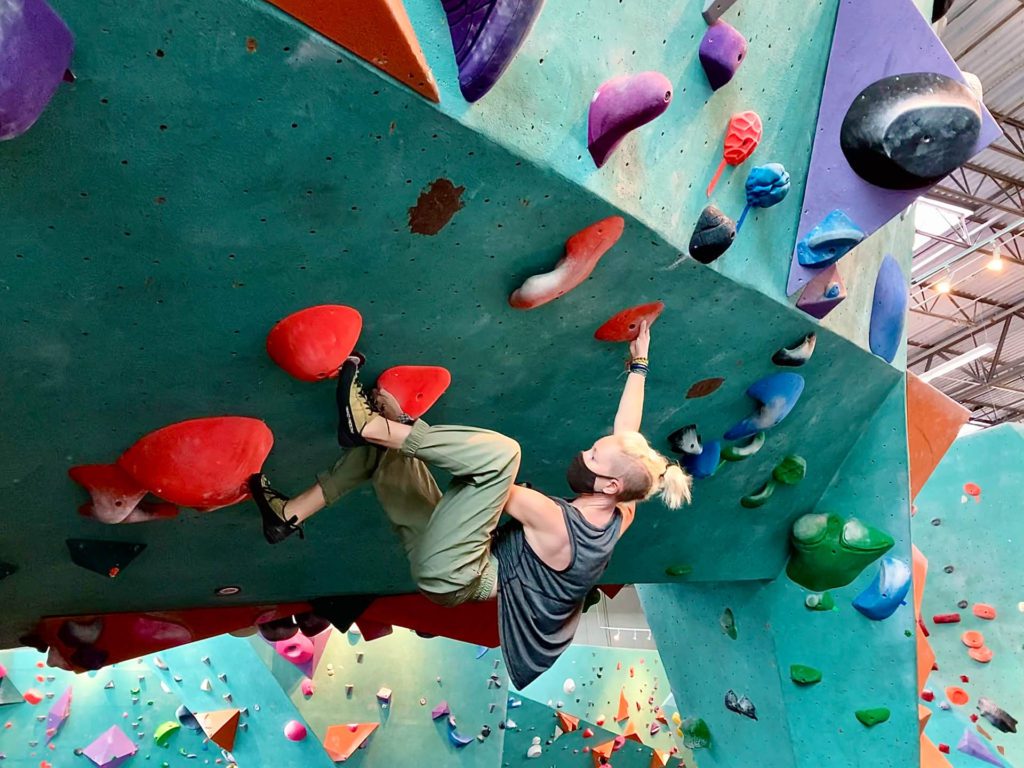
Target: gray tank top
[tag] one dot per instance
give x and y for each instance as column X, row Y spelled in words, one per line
column 539, row 607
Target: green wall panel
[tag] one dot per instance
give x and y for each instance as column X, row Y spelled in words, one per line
column 979, row 541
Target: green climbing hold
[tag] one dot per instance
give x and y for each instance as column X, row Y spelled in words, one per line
column 791, row 470
column 696, row 734
column 804, row 675
column 759, row 497
column 829, row 552
column 872, row 717
column 679, row 570
column 822, row 602
column 728, row 622
column 742, row 451
column 164, row 731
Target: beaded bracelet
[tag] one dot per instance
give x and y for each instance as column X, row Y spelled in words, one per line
column 640, row 360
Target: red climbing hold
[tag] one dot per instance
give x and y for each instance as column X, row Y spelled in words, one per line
column 582, row 252
column 927, row 695
column 201, row 463
column 625, row 326
column 741, row 139
column 415, row 387
column 311, row 344
column 972, row 489
column 946, row 618
column 944, row 749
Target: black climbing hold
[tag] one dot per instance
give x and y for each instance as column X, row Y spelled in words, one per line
column 107, row 558
column 909, row 131
column 741, row 705
column 798, row 354
column 936, row 521
column 686, row 441
column 6, row 569
column 712, row 236
column 949, row 569
column 941, row 8
column 962, row 605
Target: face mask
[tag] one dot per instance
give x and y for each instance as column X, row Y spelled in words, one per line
column 580, row 477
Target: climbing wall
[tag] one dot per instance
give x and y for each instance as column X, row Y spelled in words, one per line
column 864, row 664
column 140, row 696
column 151, row 250
column 968, row 525
column 399, row 681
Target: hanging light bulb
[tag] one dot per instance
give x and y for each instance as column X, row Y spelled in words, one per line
column 996, row 262
column 944, row 285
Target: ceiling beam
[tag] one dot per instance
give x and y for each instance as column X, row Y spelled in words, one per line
column 958, row 336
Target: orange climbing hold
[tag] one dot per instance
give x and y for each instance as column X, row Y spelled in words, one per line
column 342, row 740
column 377, row 31
column 973, row 490
column 984, row 611
column 567, row 722
column 982, row 655
column 972, row 639
column 415, row 387
column 957, row 695
column 582, row 252
column 625, row 326
column 220, row 727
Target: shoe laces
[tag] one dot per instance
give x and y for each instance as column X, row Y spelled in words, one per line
column 292, row 523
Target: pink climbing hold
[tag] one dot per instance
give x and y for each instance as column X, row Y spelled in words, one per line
column 297, row 649
column 582, row 252
column 308, row 687
column 415, row 387
column 201, row 463
column 741, row 139
column 294, row 730
column 311, row 344
column 32, row 696
column 621, row 105
column 625, row 325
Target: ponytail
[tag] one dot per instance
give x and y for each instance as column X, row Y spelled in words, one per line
column 650, row 474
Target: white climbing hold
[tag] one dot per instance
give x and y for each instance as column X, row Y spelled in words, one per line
column 227, row 697
column 206, row 685
column 222, row 677
column 534, row 750
column 569, row 686
column 109, row 685
column 205, row 659
column 177, row 678
column 165, row 687
column 510, row 723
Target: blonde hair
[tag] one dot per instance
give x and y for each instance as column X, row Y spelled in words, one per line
column 647, row 473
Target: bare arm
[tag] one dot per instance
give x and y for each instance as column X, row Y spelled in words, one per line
column 533, row 509
column 631, row 404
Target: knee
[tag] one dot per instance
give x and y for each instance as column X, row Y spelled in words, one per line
column 444, row 599
column 507, row 451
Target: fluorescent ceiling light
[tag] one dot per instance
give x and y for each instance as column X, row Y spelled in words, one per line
column 957, row 362
column 936, row 217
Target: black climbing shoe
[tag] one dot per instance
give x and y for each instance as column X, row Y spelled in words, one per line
column 276, row 527
column 355, row 408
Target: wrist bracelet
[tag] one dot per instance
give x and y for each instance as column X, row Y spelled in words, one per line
column 639, row 368
column 640, row 360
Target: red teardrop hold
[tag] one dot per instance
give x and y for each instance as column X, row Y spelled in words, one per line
column 415, row 387
column 201, row 463
column 625, row 326
column 311, row 344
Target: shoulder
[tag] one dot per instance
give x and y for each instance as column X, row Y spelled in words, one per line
column 531, row 507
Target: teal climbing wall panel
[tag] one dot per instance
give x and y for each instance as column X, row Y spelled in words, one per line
column 865, row 664
column 95, row 708
column 421, row 673
column 973, row 551
column 212, row 170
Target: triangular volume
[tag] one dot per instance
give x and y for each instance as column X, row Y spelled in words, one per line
column 378, row 31
column 342, row 740
column 865, row 50
column 220, row 727
column 107, row 558
column 8, row 693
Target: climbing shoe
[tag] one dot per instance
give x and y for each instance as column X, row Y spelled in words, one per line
column 276, row 526
column 355, row 408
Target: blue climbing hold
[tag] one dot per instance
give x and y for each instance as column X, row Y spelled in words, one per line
column 887, row 592
column 776, row 396
column 767, row 185
column 828, row 242
column 888, row 310
column 187, row 719
column 705, row 463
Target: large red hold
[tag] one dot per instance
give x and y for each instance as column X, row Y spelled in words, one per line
column 201, row 463
column 415, row 387
column 311, row 344
column 625, row 326
column 582, row 252
column 741, row 139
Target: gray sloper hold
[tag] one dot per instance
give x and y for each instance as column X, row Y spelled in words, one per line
column 712, row 236
column 908, row 131
column 741, row 705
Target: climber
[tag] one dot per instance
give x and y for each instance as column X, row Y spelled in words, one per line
column 543, row 562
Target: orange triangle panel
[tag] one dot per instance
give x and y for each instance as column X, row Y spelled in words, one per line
column 567, row 722
column 659, row 758
column 342, row 740
column 602, row 750
column 220, row 727
column 377, row 31
column 630, row 732
column 623, row 712
column 933, row 421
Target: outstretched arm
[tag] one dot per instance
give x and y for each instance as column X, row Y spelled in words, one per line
column 631, row 404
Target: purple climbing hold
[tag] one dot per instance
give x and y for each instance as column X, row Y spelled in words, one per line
column 888, row 310
column 776, row 396
column 486, row 35
column 823, row 294
column 621, row 105
column 722, row 50
column 971, row 744
column 34, row 55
